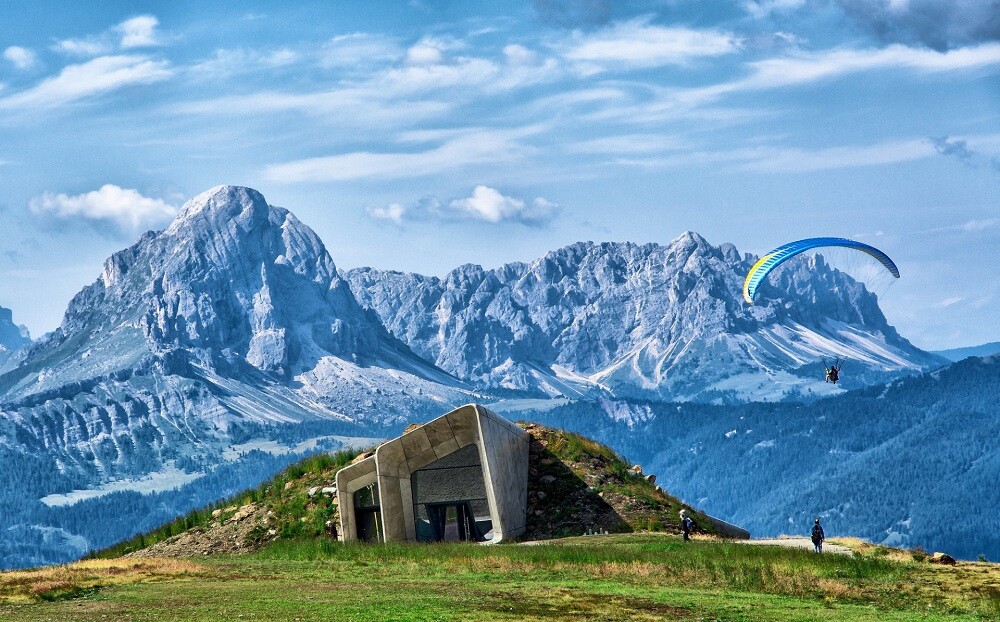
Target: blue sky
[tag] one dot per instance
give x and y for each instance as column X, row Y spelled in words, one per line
column 426, row 134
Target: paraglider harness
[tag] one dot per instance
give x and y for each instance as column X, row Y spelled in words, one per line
column 833, row 371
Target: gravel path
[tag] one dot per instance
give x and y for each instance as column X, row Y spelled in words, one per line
column 799, row 543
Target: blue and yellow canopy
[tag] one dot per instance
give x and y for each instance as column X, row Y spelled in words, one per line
column 778, row 256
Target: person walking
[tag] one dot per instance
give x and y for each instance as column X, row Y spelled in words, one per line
column 686, row 525
column 818, row 536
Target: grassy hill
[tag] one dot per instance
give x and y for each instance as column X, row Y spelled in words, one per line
column 617, row 577
column 263, row 555
column 576, row 486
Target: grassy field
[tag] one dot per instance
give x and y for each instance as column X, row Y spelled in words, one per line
column 621, row 577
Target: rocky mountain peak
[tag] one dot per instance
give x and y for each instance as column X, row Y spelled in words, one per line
column 222, row 204
column 12, row 336
column 651, row 321
column 231, row 281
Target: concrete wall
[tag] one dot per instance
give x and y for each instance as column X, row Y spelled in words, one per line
column 350, row 479
column 503, row 453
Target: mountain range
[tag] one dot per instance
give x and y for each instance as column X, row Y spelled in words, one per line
column 911, row 463
column 957, row 354
column 642, row 321
column 209, row 354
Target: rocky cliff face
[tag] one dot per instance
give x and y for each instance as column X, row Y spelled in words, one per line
column 649, row 321
column 233, row 314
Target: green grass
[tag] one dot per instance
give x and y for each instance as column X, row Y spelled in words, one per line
column 290, row 506
column 621, row 577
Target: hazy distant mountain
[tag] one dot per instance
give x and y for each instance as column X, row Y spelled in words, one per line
column 957, row 354
column 12, row 336
column 913, row 463
column 643, row 321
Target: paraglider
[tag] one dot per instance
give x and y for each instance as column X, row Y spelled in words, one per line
column 758, row 273
column 833, row 371
column 766, row 264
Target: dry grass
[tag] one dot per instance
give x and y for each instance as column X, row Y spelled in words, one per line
column 70, row 580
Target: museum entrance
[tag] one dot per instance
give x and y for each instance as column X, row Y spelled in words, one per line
column 368, row 514
column 449, row 499
column 452, row 522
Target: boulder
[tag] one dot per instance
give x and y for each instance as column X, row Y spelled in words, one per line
column 363, row 456
column 942, row 558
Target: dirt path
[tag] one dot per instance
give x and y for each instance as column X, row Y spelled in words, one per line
column 799, row 543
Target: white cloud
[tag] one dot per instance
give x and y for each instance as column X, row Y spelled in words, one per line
column 809, row 67
column 83, row 47
column 792, row 160
column 138, row 32
column 768, row 159
column 22, row 58
column 76, row 82
column 519, row 55
column 975, row 226
column 360, row 49
column 230, row 62
column 123, row 208
column 490, row 205
column 132, row 33
column 385, row 91
column 394, row 213
column 422, row 54
column 628, row 143
column 947, row 302
column 485, row 204
column 474, row 147
column 763, row 8
column 637, row 43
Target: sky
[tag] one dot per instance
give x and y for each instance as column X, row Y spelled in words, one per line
column 423, row 135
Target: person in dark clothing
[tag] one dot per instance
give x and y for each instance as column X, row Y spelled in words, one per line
column 818, row 536
column 686, row 525
column 833, row 374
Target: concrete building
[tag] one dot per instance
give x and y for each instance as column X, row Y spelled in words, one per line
column 460, row 477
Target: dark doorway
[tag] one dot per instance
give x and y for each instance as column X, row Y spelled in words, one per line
column 368, row 514
column 453, row 522
column 449, row 499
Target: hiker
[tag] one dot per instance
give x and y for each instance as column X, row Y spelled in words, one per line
column 686, row 525
column 818, row 536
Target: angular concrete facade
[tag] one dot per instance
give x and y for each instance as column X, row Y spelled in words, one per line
column 464, row 473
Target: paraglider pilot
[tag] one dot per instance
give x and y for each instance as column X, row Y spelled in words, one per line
column 833, row 373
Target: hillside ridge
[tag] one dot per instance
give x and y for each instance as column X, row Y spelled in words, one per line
column 576, row 486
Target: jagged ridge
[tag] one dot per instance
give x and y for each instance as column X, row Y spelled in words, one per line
column 648, row 321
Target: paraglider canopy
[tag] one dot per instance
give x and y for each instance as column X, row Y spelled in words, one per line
column 758, row 273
